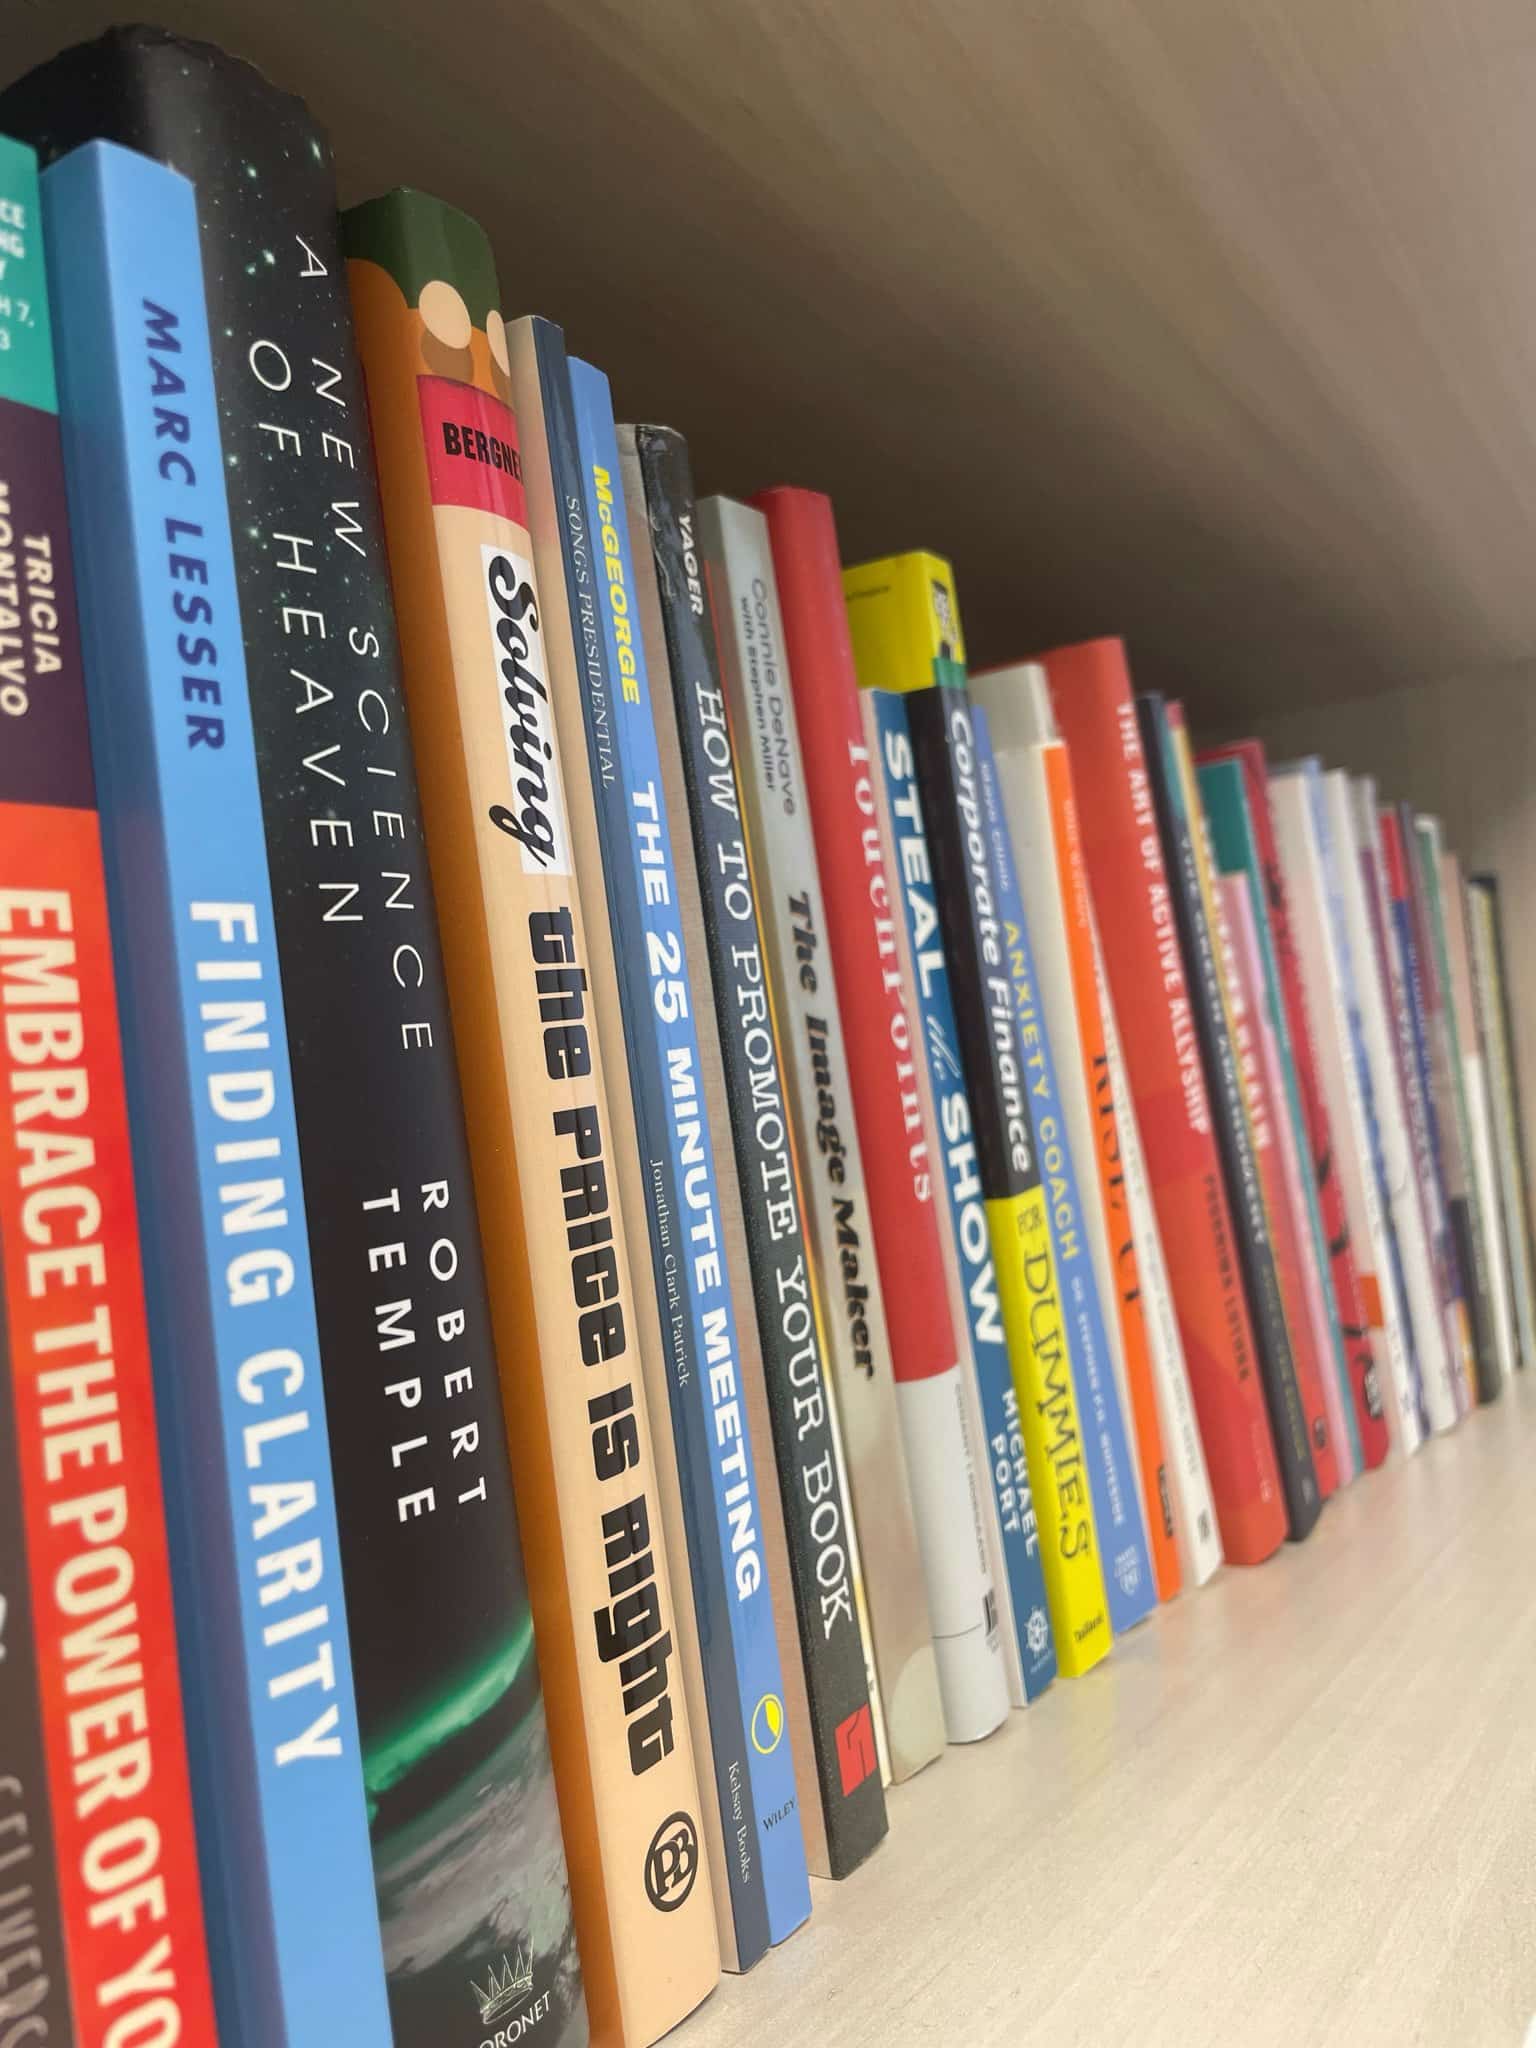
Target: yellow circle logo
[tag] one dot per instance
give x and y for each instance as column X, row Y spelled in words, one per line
column 767, row 1724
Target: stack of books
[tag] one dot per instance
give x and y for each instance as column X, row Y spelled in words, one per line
column 629, row 1202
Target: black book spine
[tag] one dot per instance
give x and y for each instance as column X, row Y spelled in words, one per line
column 809, row 1469
column 1277, row 1366
column 454, row 1750
column 34, row 1980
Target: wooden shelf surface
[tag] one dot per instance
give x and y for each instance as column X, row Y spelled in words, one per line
column 1298, row 1807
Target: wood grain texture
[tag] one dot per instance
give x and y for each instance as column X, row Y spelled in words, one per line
column 1212, row 325
column 1297, row 1808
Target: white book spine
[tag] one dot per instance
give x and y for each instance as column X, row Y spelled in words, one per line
column 940, row 1456
column 1338, row 1039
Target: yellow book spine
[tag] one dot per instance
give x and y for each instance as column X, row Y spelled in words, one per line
column 1053, row 1443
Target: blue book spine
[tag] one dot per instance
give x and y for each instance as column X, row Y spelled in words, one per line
column 714, row 1450
column 1006, row 1464
column 272, row 1729
column 1128, row 1577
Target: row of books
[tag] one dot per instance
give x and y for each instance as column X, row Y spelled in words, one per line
column 628, row 1201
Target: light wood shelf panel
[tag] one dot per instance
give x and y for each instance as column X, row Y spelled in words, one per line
column 1298, row 1807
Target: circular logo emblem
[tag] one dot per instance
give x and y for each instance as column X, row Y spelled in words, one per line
column 671, row 1863
column 767, row 1724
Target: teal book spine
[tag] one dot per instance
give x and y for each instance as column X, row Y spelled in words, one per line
column 271, row 1717
column 1128, row 1579
column 717, row 1468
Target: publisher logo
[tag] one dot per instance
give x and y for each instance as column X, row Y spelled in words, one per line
column 671, row 1863
column 856, row 1756
column 767, row 1724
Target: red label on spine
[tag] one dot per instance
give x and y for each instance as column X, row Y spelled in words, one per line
column 1091, row 693
column 471, row 445
column 861, row 932
column 90, row 1467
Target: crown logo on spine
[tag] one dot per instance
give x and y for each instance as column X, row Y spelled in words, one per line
column 505, row 1987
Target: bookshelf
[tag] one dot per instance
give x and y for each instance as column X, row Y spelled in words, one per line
column 1205, row 325
column 1298, row 1807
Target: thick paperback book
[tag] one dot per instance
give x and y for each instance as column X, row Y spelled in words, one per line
column 82, row 1529
column 1134, row 911
column 1034, row 781
column 292, row 1923
column 716, row 1457
column 542, row 1138
column 1357, row 1308
column 1180, row 830
column 954, row 1146
column 1117, row 1498
column 454, row 1746
column 878, row 1027
column 1300, row 1247
column 906, row 634
column 816, row 1579
column 925, row 1388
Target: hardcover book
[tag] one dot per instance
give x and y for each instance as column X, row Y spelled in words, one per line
column 1492, row 1327
column 814, row 1567
column 675, row 1145
column 1352, row 848
column 928, row 1393
column 1134, row 911
column 1345, row 1247
column 1118, row 1506
column 974, row 1296
column 905, row 628
column 1035, row 790
column 879, row 1026
column 1182, row 829
column 1491, row 990
column 79, row 1458
column 271, row 1722
column 1408, row 989
column 453, row 1739
column 1301, row 1249
column 1321, row 932
column 542, row 1138
column 706, row 1469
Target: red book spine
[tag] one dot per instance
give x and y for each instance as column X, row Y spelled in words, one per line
column 1091, row 693
column 1354, row 1317
column 860, row 910
column 84, row 1409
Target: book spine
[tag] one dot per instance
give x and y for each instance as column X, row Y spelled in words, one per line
column 423, row 1489
column 835, row 1703
column 542, row 1138
column 715, row 1451
column 1362, row 968
column 1485, row 1307
column 933, row 1446
column 79, row 1391
column 272, row 1727
column 956, row 1150
column 1195, row 1522
column 877, row 1027
column 37, row 1987
column 1118, row 1508
column 1234, row 1138
column 1007, row 1165
column 1134, row 912
column 1496, row 1025
column 1357, row 828
column 1336, row 1035
column 1340, row 1247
